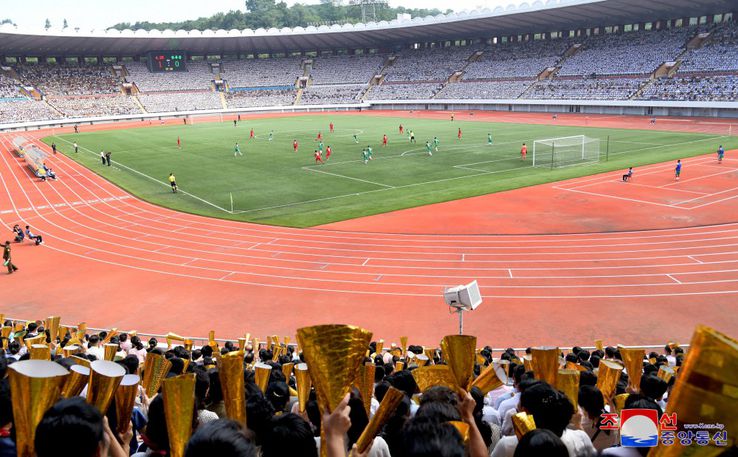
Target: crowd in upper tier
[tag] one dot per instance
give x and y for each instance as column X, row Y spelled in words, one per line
column 270, row 399
column 702, row 66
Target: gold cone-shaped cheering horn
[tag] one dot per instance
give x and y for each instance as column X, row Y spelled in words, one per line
column 608, row 377
column 110, row 350
column 633, row 361
column 462, row 428
column 40, row 339
column 461, row 356
column 522, row 424
column 487, row 381
column 155, row 368
column 35, row 386
column 211, row 340
column 619, row 401
column 705, row 391
column 665, row 373
column 334, row 354
column 434, row 375
column 242, row 344
column 81, row 361
column 125, row 398
column 304, row 384
column 78, row 377
column 262, row 372
column 421, row 360
column 380, row 348
column 232, row 384
column 40, row 352
column 567, row 381
column 430, row 353
column 178, row 394
column 403, row 346
column 387, row 407
column 287, row 370
column 52, row 324
column 599, row 345
column 105, row 377
column 110, row 335
column 6, row 331
column 365, row 384
column 68, row 351
column 545, row 361
column 188, row 344
column 171, row 336
column 528, row 362
column 399, row 366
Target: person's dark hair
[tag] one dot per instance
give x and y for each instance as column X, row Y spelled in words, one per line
column 67, row 419
column 527, row 383
column 14, row 347
column 380, row 390
column 32, row 326
column 587, row 378
column 426, row 437
column 541, row 443
column 278, row 394
column 595, row 360
column 404, row 381
column 6, row 406
column 571, row 357
column 206, row 351
column 177, row 366
column 202, row 384
column 667, row 349
column 550, row 408
column 215, row 394
column 438, row 411
column 223, row 438
column 576, row 350
column 518, row 373
column 156, row 428
column 153, row 343
column 259, row 412
column 653, row 387
column 583, row 355
column 288, row 435
column 94, row 339
column 591, row 401
column 123, row 337
column 130, row 363
column 639, row 401
column 136, row 343
column 358, row 416
column 439, row 394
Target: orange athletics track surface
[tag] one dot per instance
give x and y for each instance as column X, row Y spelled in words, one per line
column 116, row 261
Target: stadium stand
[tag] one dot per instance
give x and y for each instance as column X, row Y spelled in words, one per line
column 694, row 88
column 262, row 72
column 197, row 77
column 261, row 98
column 156, row 102
column 8, row 87
column 69, row 79
column 429, row 64
column 499, row 89
column 411, row 389
column 346, row 69
column 26, row 110
column 90, row 106
column 586, row 88
column 397, row 91
column 316, row 95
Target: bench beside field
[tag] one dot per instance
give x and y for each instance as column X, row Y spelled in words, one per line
column 32, row 154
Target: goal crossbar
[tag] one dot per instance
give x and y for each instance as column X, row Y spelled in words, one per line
column 565, row 151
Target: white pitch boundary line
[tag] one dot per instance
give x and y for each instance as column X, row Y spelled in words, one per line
column 38, row 141
column 709, row 195
column 715, row 202
column 676, row 183
column 631, row 183
column 620, row 198
column 348, row 177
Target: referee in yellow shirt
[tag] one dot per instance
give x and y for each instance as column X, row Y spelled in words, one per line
column 173, row 182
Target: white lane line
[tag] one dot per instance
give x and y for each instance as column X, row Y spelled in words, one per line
column 509, row 271
column 226, row 276
column 365, row 262
column 674, row 279
column 696, row 260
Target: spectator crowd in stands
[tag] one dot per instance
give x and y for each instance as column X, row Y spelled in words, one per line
column 424, row 401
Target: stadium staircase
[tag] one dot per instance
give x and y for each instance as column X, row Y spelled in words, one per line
column 298, row 97
column 458, row 75
column 54, row 108
column 223, row 101
column 524, row 94
column 139, row 104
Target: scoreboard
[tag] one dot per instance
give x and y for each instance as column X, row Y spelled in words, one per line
column 167, row 61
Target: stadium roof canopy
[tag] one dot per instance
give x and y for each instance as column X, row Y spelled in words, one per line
column 536, row 16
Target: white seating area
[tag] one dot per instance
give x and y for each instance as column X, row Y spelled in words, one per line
column 260, row 98
column 583, row 89
column 69, row 79
column 403, row 91
column 694, row 88
column 180, row 101
column 429, row 64
column 114, row 105
column 262, row 72
column 630, row 53
column 8, row 87
column 25, row 110
column 484, row 90
column 509, row 60
column 346, row 69
column 197, row 77
column 317, row 95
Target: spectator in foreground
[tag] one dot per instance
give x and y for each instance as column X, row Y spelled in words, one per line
column 541, row 443
column 224, row 438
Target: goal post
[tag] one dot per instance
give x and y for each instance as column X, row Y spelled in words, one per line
column 565, row 151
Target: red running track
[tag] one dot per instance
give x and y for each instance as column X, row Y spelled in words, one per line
column 116, row 261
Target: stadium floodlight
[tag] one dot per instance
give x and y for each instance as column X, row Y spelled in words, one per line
column 463, row 298
column 368, row 8
column 566, row 151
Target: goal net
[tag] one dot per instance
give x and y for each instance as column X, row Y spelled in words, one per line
column 565, row 151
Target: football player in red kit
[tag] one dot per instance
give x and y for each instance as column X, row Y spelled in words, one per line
column 318, row 156
column 251, row 135
column 328, row 152
column 295, row 145
column 330, row 127
column 384, row 140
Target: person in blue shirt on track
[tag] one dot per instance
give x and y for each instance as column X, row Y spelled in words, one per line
column 678, row 169
column 720, row 153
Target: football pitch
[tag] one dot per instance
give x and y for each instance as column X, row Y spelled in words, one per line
column 271, row 184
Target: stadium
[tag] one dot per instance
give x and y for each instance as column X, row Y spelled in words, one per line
column 341, row 206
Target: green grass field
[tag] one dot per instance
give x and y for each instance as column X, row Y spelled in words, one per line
column 271, row 184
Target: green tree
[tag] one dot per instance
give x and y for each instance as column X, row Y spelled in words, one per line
column 65, row 24
column 47, row 25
